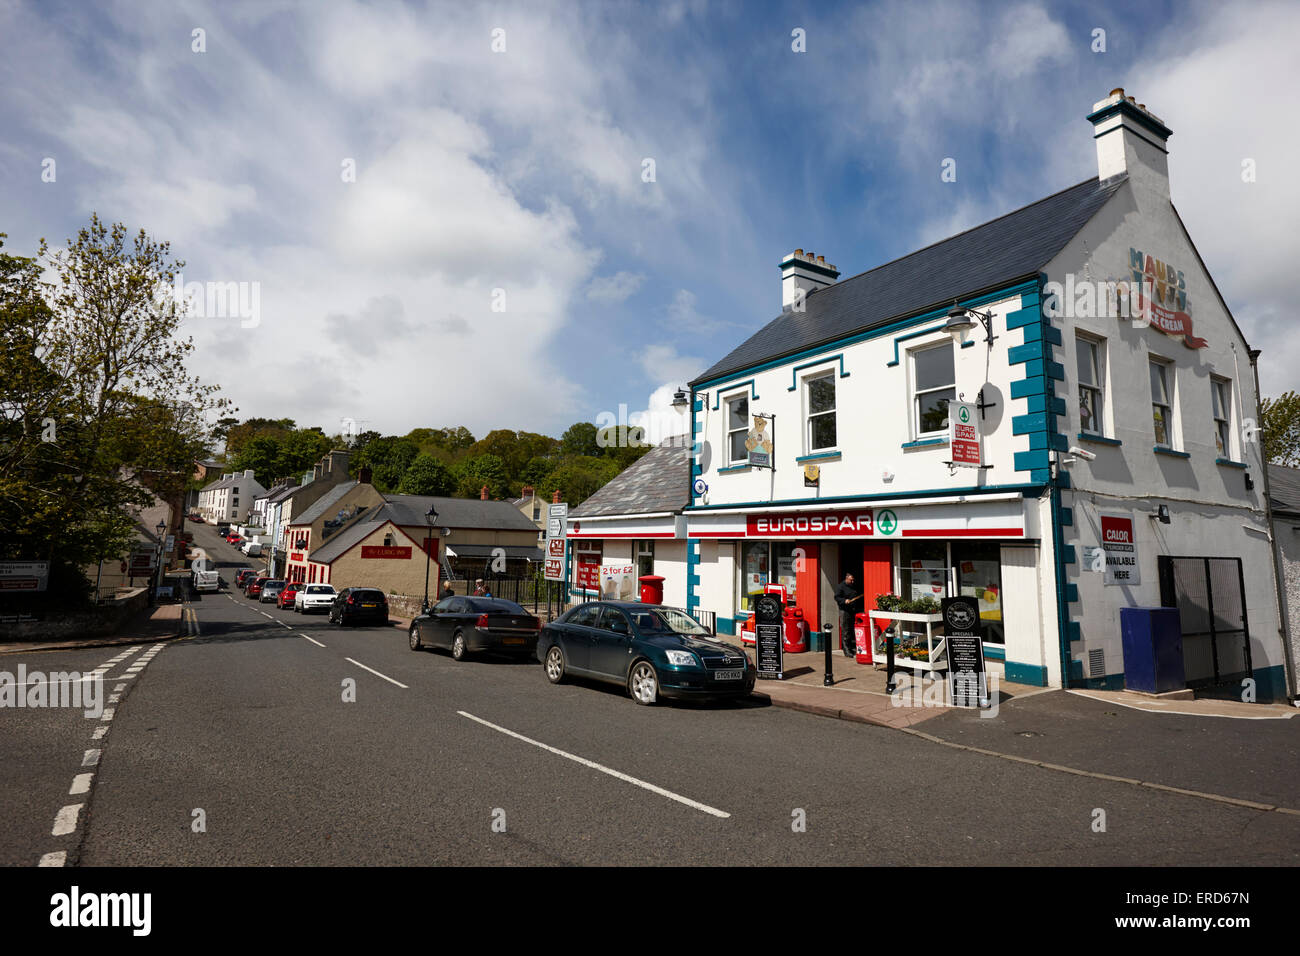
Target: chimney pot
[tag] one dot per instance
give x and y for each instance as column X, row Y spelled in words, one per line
column 555, row 497
column 483, row 495
column 1117, row 91
column 798, row 252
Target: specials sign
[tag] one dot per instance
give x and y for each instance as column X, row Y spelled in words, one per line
column 843, row 523
column 1120, row 549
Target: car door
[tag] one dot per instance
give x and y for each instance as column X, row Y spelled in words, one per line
column 431, row 627
column 577, row 636
column 611, row 639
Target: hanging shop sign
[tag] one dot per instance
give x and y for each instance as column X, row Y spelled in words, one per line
column 758, row 443
column 964, row 435
column 964, row 645
column 769, row 629
column 812, row 476
column 1120, row 549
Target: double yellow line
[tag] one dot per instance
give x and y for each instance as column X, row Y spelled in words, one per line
column 189, row 622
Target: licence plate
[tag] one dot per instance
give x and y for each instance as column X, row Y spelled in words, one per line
column 512, row 640
column 728, row 675
column 370, row 605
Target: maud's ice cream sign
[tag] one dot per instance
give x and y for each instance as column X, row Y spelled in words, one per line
column 1154, row 293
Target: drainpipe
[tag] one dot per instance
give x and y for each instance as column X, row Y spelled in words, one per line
column 1293, row 690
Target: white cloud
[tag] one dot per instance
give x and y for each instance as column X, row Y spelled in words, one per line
column 612, row 290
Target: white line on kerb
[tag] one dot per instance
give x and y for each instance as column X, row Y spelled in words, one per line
column 603, row 769
column 376, row 673
column 312, row 639
column 81, row 784
column 58, row 858
column 66, row 821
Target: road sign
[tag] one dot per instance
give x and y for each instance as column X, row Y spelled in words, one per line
column 24, row 575
column 556, row 518
column 964, row 435
column 554, row 569
column 555, row 548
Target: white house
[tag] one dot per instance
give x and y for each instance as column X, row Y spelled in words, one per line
column 1114, row 397
column 230, row 498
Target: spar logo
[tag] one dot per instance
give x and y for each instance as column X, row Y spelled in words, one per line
column 845, row 523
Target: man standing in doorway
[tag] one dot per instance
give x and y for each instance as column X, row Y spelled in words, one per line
column 849, row 598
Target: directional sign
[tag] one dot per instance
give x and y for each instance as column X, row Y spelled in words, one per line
column 24, row 575
column 964, row 435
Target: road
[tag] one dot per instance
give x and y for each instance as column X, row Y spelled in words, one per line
column 246, row 729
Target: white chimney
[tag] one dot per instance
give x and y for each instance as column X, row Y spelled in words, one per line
column 802, row 273
column 1131, row 139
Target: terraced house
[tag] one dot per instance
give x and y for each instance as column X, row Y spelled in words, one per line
column 1051, row 412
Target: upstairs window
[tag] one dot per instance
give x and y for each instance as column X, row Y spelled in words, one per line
column 820, row 394
column 935, row 379
column 1092, row 387
column 1162, row 402
column 1221, row 408
column 737, row 429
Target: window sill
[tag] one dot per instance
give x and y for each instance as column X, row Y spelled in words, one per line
column 1098, row 439
column 819, row 456
column 1229, row 463
column 925, row 443
column 1171, row 452
column 732, row 469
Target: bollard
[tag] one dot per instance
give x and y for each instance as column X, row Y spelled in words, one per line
column 828, row 631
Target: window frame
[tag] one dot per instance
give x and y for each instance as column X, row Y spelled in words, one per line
column 917, row 392
column 1222, row 421
column 1097, row 346
column 809, row 414
column 641, row 548
column 729, row 431
column 1165, row 367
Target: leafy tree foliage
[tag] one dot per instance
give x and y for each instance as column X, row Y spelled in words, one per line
column 427, row 475
column 1280, row 429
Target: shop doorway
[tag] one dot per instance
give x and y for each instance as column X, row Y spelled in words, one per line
column 1210, row 594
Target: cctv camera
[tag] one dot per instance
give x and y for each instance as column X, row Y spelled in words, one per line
column 1085, row 455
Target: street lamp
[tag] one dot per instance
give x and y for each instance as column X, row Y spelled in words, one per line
column 961, row 320
column 430, row 517
column 681, row 400
column 161, row 528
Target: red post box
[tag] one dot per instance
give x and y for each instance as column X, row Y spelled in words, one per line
column 652, row 588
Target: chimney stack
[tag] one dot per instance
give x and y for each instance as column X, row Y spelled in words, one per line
column 1131, row 139
column 555, row 497
column 364, row 475
column 483, row 495
column 801, row 274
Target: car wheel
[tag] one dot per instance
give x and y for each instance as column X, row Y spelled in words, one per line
column 458, row 649
column 555, row 664
column 415, row 638
column 643, row 683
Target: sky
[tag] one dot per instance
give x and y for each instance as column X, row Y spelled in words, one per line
column 526, row 215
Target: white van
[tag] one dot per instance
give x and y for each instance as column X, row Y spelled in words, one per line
column 252, row 548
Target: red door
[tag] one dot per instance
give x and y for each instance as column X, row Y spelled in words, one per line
column 877, row 573
column 805, row 585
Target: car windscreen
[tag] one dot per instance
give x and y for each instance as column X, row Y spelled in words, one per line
column 273, row 584
column 319, row 589
column 368, row 595
column 482, row 605
column 667, row 620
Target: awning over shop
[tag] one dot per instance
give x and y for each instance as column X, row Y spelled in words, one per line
column 517, row 552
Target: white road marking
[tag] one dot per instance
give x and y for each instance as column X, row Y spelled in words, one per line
column 603, row 769
column 58, row 858
column 91, row 757
column 81, row 784
column 99, row 732
column 108, row 713
column 312, row 639
column 66, row 821
column 119, row 688
column 376, row 673
column 114, row 698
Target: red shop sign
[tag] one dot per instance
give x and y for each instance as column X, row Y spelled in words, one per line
column 375, row 551
column 844, row 523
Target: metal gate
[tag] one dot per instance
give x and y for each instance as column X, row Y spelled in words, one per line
column 1210, row 594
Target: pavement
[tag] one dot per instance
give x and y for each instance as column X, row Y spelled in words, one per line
column 158, row 623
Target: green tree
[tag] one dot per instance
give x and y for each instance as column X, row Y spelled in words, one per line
column 1280, row 429
column 579, row 478
column 482, row 470
column 427, row 475
column 580, row 439
column 299, row 451
column 388, row 458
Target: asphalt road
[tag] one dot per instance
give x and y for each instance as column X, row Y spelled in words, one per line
column 245, row 727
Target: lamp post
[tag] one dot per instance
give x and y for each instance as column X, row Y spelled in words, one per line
column 161, row 528
column 430, row 517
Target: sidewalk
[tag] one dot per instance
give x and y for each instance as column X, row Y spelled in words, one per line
column 159, row 623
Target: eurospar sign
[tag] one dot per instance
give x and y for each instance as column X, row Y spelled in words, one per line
column 850, row 524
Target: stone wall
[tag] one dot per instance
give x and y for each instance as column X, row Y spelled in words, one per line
column 105, row 619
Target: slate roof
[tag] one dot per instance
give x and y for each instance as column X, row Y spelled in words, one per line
column 1011, row 247
column 1284, row 489
column 456, row 513
column 659, row 481
column 324, row 504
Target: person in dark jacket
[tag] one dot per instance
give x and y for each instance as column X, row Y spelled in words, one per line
column 848, row 596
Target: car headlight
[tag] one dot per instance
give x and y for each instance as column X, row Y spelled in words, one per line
column 682, row 659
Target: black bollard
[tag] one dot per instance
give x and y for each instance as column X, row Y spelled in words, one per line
column 828, row 630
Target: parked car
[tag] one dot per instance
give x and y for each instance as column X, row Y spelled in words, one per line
column 287, row 594
column 314, row 597
column 652, row 650
column 271, row 589
column 252, row 548
column 359, row 606
column 464, row 625
column 242, row 577
column 223, row 529
column 233, row 538
column 254, row 589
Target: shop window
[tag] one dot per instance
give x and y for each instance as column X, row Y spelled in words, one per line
column 754, row 572
column 737, row 429
column 923, row 570
column 785, row 561
column 587, row 555
column 1092, row 387
column 820, row 398
column 934, row 379
column 979, row 576
column 644, row 552
column 1221, row 401
column 1162, row 402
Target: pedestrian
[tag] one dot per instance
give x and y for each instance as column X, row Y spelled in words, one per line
column 849, row 598
column 446, row 593
column 487, row 592
column 478, row 587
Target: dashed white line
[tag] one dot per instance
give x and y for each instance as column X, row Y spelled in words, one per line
column 376, row 673
column 66, row 821
column 603, row 769
column 58, row 858
column 108, row 713
column 312, row 639
column 91, row 757
column 81, row 784
column 99, row 732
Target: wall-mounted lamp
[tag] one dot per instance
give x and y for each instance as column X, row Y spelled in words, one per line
column 1250, row 482
column 681, row 399
column 1161, row 514
column 961, row 320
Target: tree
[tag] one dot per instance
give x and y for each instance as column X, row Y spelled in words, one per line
column 388, row 459
column 580, row 439
column 1280, row 429
column 482, row 470
column 579, row 478
column 299, row 451
column 427, row 476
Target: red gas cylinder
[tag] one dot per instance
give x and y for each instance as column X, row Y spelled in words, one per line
column 862, row 637
column 795, row 636
column 652, row 588
column 747, row 631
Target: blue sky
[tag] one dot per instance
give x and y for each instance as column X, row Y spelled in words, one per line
column 521, row 170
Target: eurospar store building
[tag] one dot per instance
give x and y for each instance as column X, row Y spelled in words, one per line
column 1118, row 468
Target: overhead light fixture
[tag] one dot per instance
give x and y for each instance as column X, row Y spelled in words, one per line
column 1161, row 514
column 962, row 320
